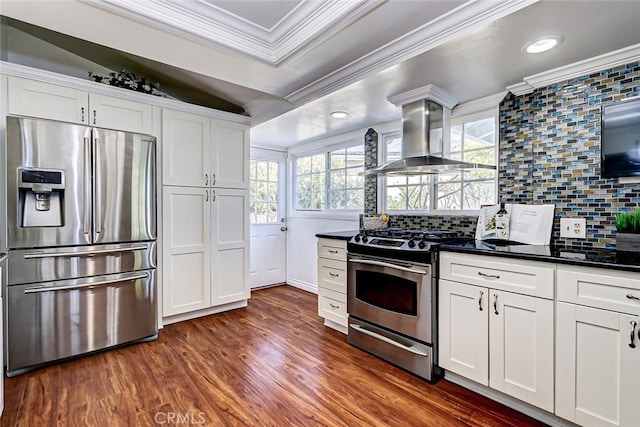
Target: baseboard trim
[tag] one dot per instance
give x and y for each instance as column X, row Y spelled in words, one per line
column 333, row 325
column 513, row 403
column 303, row 285
column 206, row 312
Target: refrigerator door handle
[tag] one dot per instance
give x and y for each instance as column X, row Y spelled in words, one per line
column 86, row 228
column 97, row 184
column 40, row 288
column 42, row 254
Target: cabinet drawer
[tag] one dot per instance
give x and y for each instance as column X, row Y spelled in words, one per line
column 512, row 275
column 600, row 288
column 332, row 275
column 332, row 249
column 332, row 306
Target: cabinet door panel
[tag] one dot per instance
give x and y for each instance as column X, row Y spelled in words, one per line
column 521, row 347
column 597, row 375
column 120, row 114
column 463, row 330
column 185, row 149
column 230, row 282
column 186, row 250
column 230, row 241
column 47, row 101
column 230, row 154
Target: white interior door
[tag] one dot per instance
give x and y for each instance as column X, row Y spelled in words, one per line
column 268, row 222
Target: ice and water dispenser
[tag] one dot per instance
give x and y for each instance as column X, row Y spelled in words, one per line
column 41, row 197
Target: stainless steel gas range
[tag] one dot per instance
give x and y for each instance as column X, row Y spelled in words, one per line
column 392, row 296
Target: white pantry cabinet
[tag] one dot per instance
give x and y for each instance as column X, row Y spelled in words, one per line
column 491, row 333
column 55, row 102
column 205, row 255
column 598, row 347
column 332, row 283
column 202, row 152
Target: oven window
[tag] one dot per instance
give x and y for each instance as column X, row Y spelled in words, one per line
column 386, row 291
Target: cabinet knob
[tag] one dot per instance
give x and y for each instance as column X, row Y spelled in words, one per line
column 480, row 301
column 495, row 303
column 206, row 179
column 94, row 117
column 632, row 336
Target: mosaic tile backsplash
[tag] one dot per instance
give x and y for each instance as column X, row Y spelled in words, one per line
column 550, row 153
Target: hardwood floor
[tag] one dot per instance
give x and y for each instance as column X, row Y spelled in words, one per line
column 271, row 364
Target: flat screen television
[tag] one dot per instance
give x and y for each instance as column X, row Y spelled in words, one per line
column 620, row 140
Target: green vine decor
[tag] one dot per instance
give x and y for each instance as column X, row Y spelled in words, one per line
column 628, row 222
column 128, row 80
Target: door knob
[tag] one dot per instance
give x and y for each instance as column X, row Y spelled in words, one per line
column 283, row 228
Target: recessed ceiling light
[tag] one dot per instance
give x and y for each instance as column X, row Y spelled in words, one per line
column 339, row 114
column 542, row 44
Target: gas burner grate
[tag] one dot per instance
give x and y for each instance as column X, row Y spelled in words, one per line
column 414, row 233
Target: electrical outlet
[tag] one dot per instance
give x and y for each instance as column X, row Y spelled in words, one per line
column 573, row 228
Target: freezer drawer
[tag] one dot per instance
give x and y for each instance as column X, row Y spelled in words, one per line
column 54, row 320
column 62, row 263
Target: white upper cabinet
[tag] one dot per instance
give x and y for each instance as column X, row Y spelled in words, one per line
column 185, row 149
column 48, row 101
column 120, row 114
column 54, row 102
column 203, row 152
column 230, row 154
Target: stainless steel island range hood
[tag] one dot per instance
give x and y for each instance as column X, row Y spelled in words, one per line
column 425, row 129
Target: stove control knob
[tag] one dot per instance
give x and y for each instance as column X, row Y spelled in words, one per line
column 411, row 243
column 357, row 238
column 365, row 239
column 422, row 244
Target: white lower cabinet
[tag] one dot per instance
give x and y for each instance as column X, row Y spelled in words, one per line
column 205, row 253
column 598, row 347
column 495, row 337
column 464, row 330
column 332, row 283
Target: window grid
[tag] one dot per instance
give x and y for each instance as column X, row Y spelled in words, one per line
column 330, row 181
column 264, row 191
column 446, row 191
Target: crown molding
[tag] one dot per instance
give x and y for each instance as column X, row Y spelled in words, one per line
column 577, row 69
column 479, row 105
column 431, row 92
column 16, row 70
column 295, row 34
column 465, row 18
column 330, row 18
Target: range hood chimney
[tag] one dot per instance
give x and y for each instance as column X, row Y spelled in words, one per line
column 425, row 130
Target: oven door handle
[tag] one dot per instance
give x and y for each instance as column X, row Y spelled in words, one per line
column 389, row 265
column 411, row 349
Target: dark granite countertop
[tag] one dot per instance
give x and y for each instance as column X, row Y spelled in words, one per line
column 597, row 257
column 338, row 235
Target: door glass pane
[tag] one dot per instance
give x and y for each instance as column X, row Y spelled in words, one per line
column 264, row 194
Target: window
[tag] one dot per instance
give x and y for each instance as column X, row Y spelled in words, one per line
column 264, row 191
column 310, row 182
column 471, row 141
column 345, row 185
column 330, row 180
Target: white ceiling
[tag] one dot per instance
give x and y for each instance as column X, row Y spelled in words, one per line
column 298, row 60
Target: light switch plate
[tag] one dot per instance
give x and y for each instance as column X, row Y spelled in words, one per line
column 573, row 228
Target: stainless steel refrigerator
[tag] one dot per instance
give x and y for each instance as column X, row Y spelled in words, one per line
column 81, row 231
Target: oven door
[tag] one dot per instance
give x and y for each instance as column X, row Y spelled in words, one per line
column 393, row 294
